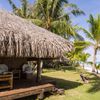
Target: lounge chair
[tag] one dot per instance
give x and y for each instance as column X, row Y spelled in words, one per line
column 84, row 78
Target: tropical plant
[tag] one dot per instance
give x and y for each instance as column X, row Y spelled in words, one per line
column 24, row 11
column 54, row 15
column 83, row 58
column 94, row 35
column 77, row 56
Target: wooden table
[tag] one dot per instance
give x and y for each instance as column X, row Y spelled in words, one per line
column 6, row 78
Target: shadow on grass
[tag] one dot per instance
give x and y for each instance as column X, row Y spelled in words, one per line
column 61, row 83
column 95, row 81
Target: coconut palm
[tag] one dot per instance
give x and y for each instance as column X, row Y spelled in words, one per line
column 78, row 55
column 79, row 58
column 23, row 11
column 83, row 58
column 94, row 35
column 49, row 14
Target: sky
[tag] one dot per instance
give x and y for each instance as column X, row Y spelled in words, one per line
column 88, row 6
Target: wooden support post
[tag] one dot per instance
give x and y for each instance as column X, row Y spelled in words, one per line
column 39, row 70
column 41, row 95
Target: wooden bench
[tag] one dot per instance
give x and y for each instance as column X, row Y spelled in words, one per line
column 23, row 92
column 8, row 78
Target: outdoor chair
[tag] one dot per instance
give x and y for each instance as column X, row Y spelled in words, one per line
column 3, row 68
column 27, row 71
column 84, row 79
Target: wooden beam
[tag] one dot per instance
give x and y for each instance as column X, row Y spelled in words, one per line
column 39, row 70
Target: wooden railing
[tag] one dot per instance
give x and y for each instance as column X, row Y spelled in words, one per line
column 8, row 79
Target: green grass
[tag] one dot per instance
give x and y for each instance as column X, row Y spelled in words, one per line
column 74, row 88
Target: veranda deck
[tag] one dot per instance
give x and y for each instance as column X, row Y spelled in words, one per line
column 25, row 88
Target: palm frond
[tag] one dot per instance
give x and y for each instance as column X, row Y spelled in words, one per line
column 88, row 34
column 64, row 16
column 94, row 27
column 77, row 12
column 37, row 22
column 79, row 37
column 24, row 4
column 12, row 4
column 81, row 45
column 74, row 9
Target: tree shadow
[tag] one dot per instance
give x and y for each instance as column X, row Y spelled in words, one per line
column 61, row 83
column 95, row 81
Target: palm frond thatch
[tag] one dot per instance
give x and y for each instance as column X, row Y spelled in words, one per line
column 21, row 38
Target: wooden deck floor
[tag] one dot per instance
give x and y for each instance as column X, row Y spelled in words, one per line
column 24, row 88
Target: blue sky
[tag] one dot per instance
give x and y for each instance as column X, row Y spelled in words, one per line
column 88, row 6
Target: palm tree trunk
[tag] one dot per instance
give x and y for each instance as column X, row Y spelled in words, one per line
column 94, row 60
column 97, row 71
column 39, row 70
column 83, row 66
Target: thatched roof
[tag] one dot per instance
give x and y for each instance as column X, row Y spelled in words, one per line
column 21, row 38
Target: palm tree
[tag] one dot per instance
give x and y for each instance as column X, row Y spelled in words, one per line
column 83, row 58
column 94, row 35
column 78, row 56
column 23, row 11
column 55, row 16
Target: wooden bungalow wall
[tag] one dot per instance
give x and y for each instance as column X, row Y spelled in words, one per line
column 13, row 63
